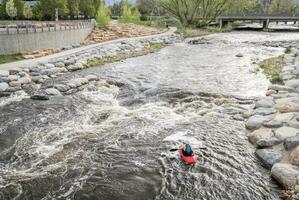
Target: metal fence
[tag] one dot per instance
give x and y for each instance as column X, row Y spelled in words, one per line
column 23, row 27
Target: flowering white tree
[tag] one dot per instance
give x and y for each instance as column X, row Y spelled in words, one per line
column 11, row 10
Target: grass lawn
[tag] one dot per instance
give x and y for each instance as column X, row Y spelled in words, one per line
column 10, row 58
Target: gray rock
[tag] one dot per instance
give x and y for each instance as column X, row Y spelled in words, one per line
column 24, row 80
column 284, row 117
column 69, row 62
column 281, row 88
column 239, row 55
column 268, row 142
column 293, row 123
column 256, row 121
column 13, row 78
column 286, row 132
column 264, row 111
column 52, row 92
column 49, row 65
column 14, row 71
column 286, row 174
column 15, row 84
column 14, row 89
column 4, row 79
column 268, row 157
column 52, row 71
column 291, row 142
column 75, row 67
column 91, row 77
column 60, row 64
column 40, row 97
column 273, row 124
column 74, row 83
column 294, row 83
column 3, row 87
column 62, row 87
column 23, row 74
column 260, row 134
column 264, row 103
column 285, row 105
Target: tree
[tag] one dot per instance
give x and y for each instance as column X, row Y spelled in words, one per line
column 19, row 4
column 117, row 8
column 103, row 17
column 11, row 10
column 47, row 8
column 195, row 12
column 148, row 7
column 87, row 8
column 27, row 11
column 282, row 6
column 130, row 14
column 73, row 8
column 243, row 7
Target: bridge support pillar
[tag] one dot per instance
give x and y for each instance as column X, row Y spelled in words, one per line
column 295, row 22
column 266, row 24
column 223, row 23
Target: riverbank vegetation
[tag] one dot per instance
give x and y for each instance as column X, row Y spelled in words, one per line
column 110, row 59
column 272, row 68
column 10, row 58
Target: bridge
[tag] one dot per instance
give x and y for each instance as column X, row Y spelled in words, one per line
column 264, row 19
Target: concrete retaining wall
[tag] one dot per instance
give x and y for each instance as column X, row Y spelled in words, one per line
column 15, row 43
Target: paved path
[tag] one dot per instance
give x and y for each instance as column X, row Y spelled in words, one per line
column 7, row 66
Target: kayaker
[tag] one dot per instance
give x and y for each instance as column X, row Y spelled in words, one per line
column 187, row 150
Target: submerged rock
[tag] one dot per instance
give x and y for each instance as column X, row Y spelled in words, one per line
column 40, row 97
column 286, row 174
column 281, row 88
column 268, row 157
column 294, row 83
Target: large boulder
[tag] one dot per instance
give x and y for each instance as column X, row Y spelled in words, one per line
column 286, row 132
column 290, row 104
column 24, row 80
column 264, row 103
column 256, row 121
column 294, row 156
column 268, row 157
column 291, row 142
column 260, row 134
column 286, row 174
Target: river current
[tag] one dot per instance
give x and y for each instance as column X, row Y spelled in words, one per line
column 112, row 140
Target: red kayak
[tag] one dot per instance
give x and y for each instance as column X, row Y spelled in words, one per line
column 189, row 160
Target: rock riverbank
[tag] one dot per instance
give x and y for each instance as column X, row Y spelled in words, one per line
column 274, row 127
column 32, row 79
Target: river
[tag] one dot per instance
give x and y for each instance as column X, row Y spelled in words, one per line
column 112, row 140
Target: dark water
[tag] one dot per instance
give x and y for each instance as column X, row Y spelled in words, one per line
column 113, row 139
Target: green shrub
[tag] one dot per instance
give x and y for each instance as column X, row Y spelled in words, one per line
column 103, row 17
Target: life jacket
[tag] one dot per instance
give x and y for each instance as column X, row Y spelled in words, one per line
column 187, row 149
